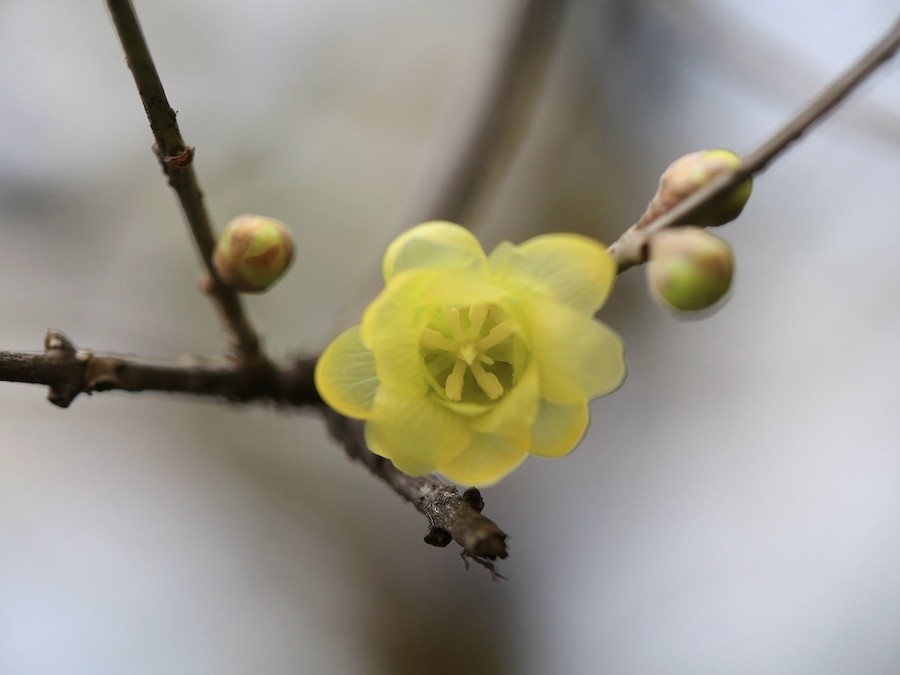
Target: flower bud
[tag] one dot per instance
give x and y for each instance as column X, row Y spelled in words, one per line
column 252, row 253
column 690, row 269
column 689, row 173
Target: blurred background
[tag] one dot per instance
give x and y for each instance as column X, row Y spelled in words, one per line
column 735, row 506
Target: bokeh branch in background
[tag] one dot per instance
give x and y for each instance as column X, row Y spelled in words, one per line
column 451, row 515
column 498, row 117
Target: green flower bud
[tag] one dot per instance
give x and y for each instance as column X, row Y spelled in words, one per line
column 687, row 174
column 252, row 253
column 690, row 269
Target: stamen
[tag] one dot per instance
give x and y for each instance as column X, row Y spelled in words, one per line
column 432, row 339
column 453, row 386
column 477, row 315
column 488, row 382
column 446, row 346
column 451, row 316
column 497, row 335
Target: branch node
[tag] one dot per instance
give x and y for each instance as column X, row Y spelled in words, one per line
column 473, row 498
column 56, row 341
column 437, row 536
column 180, row 160
column 72, row 363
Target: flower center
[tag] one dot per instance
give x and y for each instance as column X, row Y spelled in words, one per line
column 468, row 353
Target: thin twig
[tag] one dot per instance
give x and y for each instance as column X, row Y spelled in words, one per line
column 451, row 515
column 70, row 371
column 630, row 248
column 774, row 66
column 501, row 113
column 176, row 159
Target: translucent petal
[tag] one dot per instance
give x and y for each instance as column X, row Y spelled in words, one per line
column 391, row 330
column 393, row 324
column 415, row 432
column 570, row 268
column 513, row 415
column 345, row 375
column 437, row 288
column 558, row 428
column 435, row 244
column 578, row 357
column 485, row 461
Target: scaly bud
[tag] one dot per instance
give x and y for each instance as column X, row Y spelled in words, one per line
column 252, row 253
column 690, row 269
column 689, row 173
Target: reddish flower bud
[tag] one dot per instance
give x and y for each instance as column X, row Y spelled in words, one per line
column 252, row 253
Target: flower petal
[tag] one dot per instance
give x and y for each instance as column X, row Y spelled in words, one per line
column 513, row 415
column 570, row 268
column 485, row 461
column 345, row 375
column 578, row 357
column 558, row 428
column 435, row 244
column 415, row 432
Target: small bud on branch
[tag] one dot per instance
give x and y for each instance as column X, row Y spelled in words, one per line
column 690, row 269
column 691, row 172
column 253, row 253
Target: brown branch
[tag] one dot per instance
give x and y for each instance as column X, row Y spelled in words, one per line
column 69, row 371
column 451, row 515
column 503, row 107
column 176, row 159
column 630, row 248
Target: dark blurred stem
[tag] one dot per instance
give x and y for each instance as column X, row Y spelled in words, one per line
column 176, row 159
column 499, row 116
column 630, row 248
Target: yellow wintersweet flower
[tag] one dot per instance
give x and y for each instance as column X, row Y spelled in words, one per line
column 464, row 364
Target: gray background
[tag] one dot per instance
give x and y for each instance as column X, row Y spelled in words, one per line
column 734, row 508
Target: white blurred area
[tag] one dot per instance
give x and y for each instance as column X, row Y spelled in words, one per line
column 736, row 506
